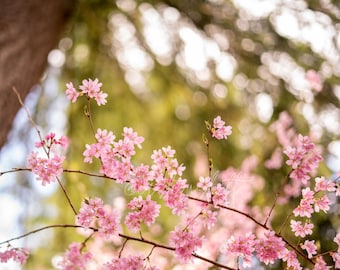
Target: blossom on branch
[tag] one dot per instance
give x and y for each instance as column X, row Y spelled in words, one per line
column 270, row 248
column 219, row 130
column 90, row 88
column 242, row 246
column 145, row 211
column 19, row 255
column 185, row 243
column 93, row 212
column 75, row 258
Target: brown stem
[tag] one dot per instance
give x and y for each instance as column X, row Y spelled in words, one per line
column 44, row 228
column 277, row 194
column 27, row 113
column 89, row 115
column 67, row 196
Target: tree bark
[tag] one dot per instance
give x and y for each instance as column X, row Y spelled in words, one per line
column 29, row 30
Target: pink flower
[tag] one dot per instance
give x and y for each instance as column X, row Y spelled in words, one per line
column 314, row 80
column 292, row 261
column 336, row 259
column 270, row 248
column 275, row 161
column 219, row 130
column 145, row 211
column 337, row 239
column 74, row 258
column 19, row 255
column 185, row 243
column 93, row 210
column 209, row 218
column 303, row 158
column 46, row 169
column 322, row 184
column 100, row 98
column 301, row 230
column 305, row 208
column 310, row 247
column 90, row 88
column 320, row 264
column 243, row 246
column 322, row 203
column 127, row 263
column 218, row 194
column 104, row 137
column 129, row 134
column 204, row 183
column 140, row 178
column 71, row 93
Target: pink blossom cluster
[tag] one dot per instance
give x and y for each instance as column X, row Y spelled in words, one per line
column 47, row 168
column 115, row 156
column 185, row 242
column 128, row 263
column 301, row 230
column 145, row 211
column 217, row 194
column 90, row 88
column 268, row 248
column 75, row 258
column 303, row 159
column 167, row 173
column 243, row 246
column 336, row 254
column 315, row 200
column 219, row 130
column 19, row 255
column 93, row 213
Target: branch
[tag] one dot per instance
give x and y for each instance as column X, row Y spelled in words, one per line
column 127, row 237
column 173, row 249
column 258, row 223
column 44, row 228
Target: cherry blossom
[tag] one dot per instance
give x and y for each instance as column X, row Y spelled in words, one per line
column 93, row 210
column 185, row 242
column 310, row 247
column 145, row 211
column 242, row 246
column 219, row 130
column 128, row 263
column 290, row 258
column 204, row 183
column 90, row 88
column 74, row 258
column 301, row 230
column 270, row 248
column 71, row 93
column 19, row 255
column 314, row 80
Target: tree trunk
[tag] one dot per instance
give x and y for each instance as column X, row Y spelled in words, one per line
column 29, row 30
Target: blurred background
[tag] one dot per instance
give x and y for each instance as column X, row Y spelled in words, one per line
column 168, row 66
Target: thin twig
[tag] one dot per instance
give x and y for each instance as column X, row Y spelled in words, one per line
column 67, row 196
column 27, row 113
column 277, row 194
column 42, row 229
